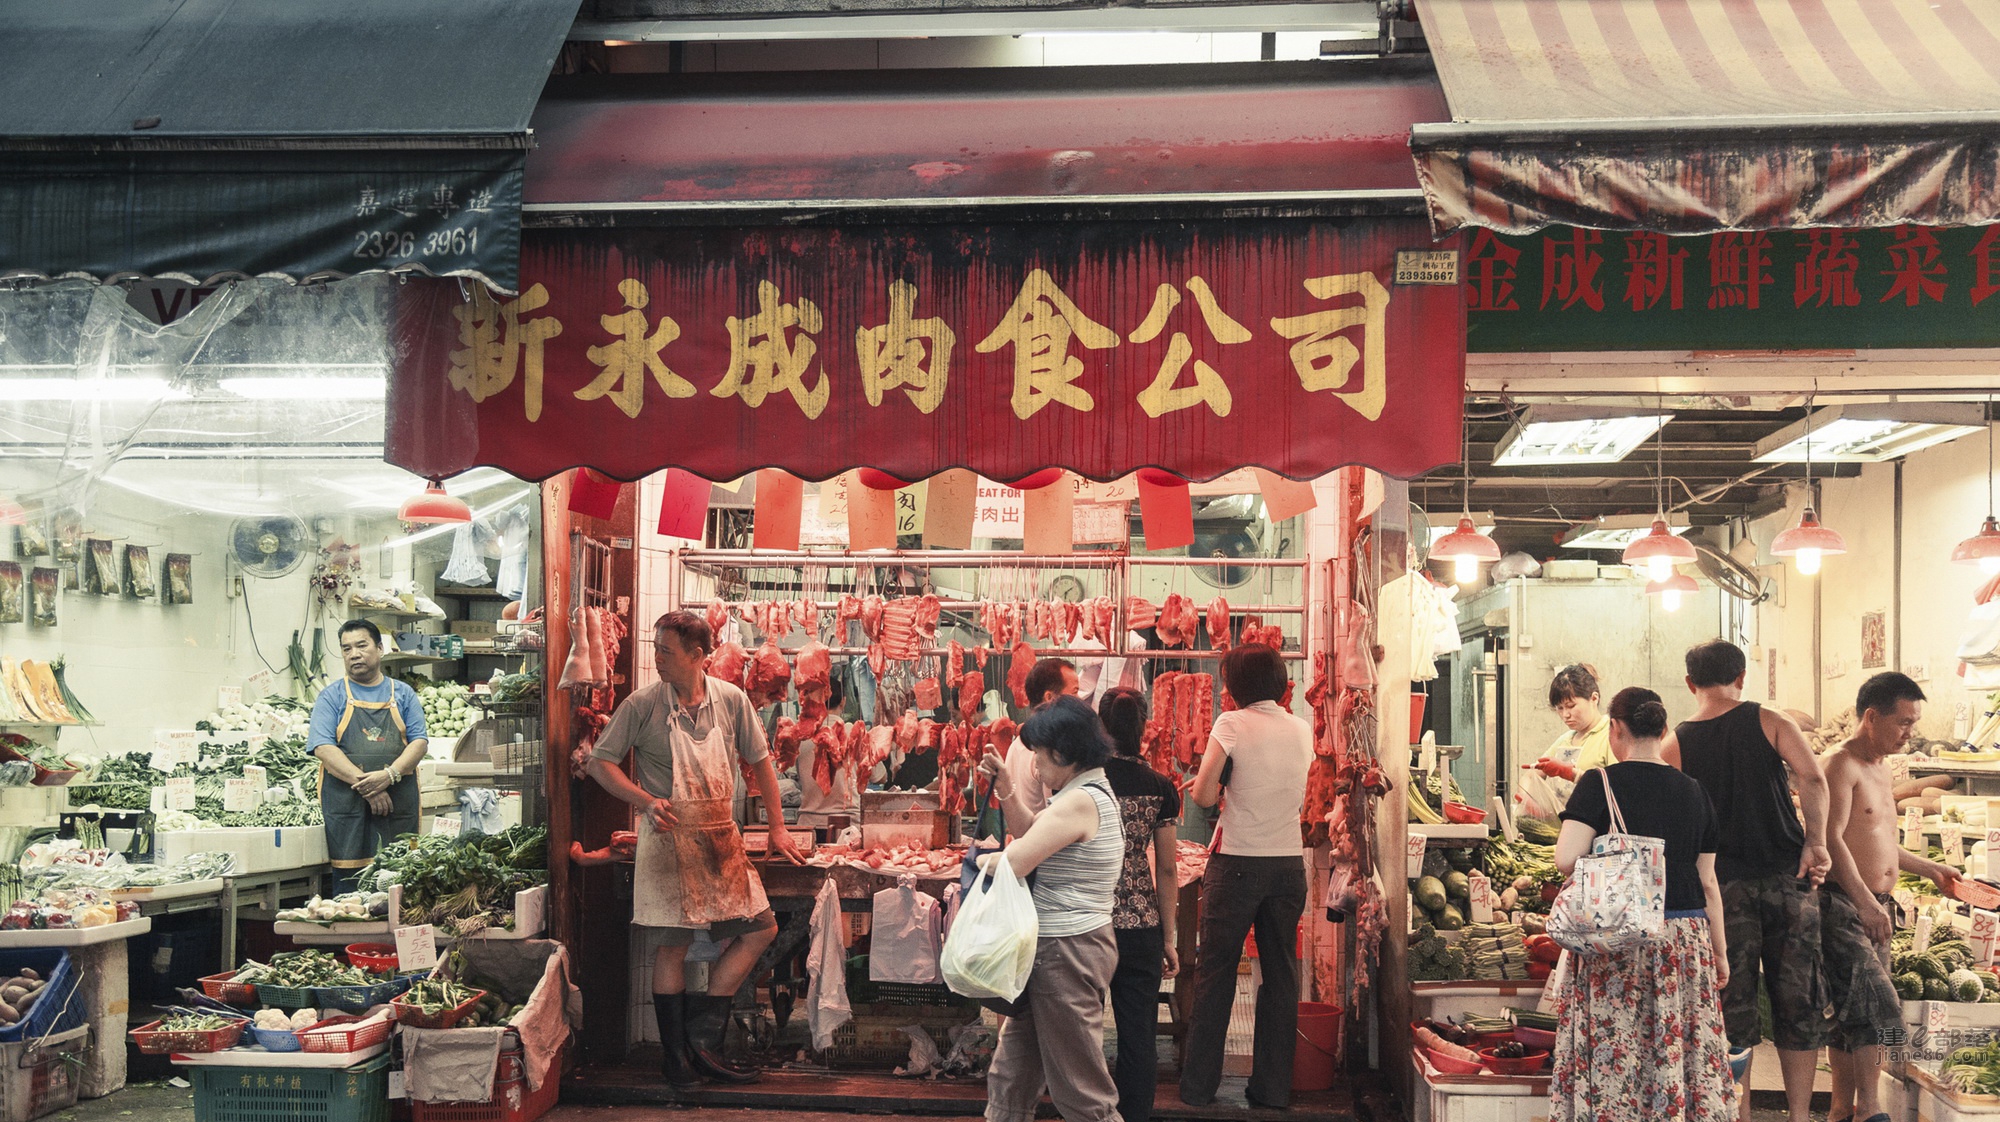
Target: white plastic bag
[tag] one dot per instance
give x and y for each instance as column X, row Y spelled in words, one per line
column 466, row 567
column 903, row 944
column 991, row 949
column 827, row 1006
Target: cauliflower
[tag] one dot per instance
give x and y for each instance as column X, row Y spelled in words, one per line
column 274, row 1020
column 304, row 1019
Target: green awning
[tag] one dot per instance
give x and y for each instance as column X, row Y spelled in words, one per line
column 198, row 139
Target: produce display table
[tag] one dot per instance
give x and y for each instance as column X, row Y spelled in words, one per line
column 1477, row 1098
column 75, row 936
column 1440, row 1000
column 104, row 989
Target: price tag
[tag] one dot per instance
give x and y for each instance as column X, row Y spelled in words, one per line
column 1481, row 891
column 258, row 685
column 257, row 775
column 174, row 747
column 1906, row 902
column 1937, row 1024
column 159, row 800
column 1953, row 843
column 240, row 796
column 274, row 724
column 1985, row 931
column 445, row 826
column 416, row 947
column 396, row 1090
column 1913, row 830
column 227, row 696
column 1922, row 940
column 1413, row 849
column 1899, row 768
column 180, row 793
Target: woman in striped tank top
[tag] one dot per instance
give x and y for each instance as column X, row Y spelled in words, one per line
column 1075, row 847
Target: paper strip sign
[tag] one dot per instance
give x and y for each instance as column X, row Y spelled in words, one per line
column 1167, row 512
column 684, row 505
column 871, row 517
column 910, row 508
column 1283, row 498
column 1048, row 517
column 593, row 495
column 950, row 500
column 416, row 948
column 241, row 796
column 1413, row 850
column 226, row 696
column 180, row 793
column 780, row 503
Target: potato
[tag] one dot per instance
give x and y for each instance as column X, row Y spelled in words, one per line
column 30, row 975
column 8, row 1014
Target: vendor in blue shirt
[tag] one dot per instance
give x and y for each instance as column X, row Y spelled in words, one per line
column 368, row 732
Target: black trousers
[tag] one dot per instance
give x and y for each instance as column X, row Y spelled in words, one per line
column 1135, row 1009
column 1240, row 895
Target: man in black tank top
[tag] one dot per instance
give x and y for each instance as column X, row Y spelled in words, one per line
column 1770, row 864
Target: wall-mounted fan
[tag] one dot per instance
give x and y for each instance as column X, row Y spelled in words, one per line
column 268, row 547
column 1229, row 544
column 1726, row 572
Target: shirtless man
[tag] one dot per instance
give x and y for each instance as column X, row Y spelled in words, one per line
column 1854, row 902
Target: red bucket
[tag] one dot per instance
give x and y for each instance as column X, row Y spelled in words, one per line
column 1417, row 702
column 1314, row 1061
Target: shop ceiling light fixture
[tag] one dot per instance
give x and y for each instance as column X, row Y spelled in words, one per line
column 1616, row 531
column 433, row 505
column 1482, row 520
column 67, row 388
column 1465, row 547
column 1563, row 434
column 1671, row 590
column 1983, row 548
column 1869, row 434
column 1658, row 551
column 1808, row 541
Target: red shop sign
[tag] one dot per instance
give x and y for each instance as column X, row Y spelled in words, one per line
column 1100, row 347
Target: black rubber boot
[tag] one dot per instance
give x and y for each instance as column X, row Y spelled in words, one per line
column 708, row 1019
column 671, row 1009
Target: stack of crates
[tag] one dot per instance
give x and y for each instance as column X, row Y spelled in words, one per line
column 41, row 1075
column 511, row 1101
column 272, row 1094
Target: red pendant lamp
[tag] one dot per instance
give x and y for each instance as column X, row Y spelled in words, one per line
column 1035, row 481
column 434, row 506
column 1465, row 547
column 1671, row 590
column 1983, row 548
column 875, row 479
column 1659, row 550
column 1808, row 541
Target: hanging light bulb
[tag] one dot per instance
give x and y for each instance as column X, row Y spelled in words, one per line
column 1807, row 542
column 1983, row 548
column 434, row 506
column 1465, row 548
column 1671, row 589
column 1658, row 552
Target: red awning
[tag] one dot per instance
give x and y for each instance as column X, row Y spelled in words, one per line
column 1693, row 116
column 1262, row 131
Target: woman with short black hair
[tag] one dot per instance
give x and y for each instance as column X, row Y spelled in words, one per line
column 1256, row 878
column 1075, row 847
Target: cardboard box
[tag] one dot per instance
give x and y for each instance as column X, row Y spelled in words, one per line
column 903, row 818
column 474, row 628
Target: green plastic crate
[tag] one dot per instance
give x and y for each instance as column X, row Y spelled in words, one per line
column 271, row 1094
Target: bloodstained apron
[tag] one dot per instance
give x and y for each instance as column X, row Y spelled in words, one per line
column 372, row 735
column 697, row 873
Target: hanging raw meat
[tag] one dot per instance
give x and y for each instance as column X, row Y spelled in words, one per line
column 929, row 610
column 1020, row 660
column 1140, row 613
column 576, row 668
column 805, row 613
column 971, row 694
column 1218, row 624
column 1104, row 611
column 829, row 753
column 954, row 664
column 770, row 675
column 785, row 744
column 872, row 608
column 726, row 662
column 846, row 610
column 717, row 617
column 1072, row 622
column 780, row 615
column 878, row 660
column 899, row 629
column 1169, row 622
column 815, row 670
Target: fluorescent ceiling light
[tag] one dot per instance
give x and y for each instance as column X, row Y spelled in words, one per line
column 308, row 389
column 1617, row 531
column 1871, row 434
column 1556, row 434
column 1482, row 521
column 86, row 389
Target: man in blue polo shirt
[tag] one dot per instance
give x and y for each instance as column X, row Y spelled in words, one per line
column 368, row 732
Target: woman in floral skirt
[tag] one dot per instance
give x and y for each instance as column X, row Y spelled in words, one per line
column 1640, row 1035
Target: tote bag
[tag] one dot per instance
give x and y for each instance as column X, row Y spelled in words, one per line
column 1617, row 897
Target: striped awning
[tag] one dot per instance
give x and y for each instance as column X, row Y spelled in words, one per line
column 1690, row 116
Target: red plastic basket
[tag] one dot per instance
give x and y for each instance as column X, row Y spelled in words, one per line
column 376, row 958
column 346, row 1034
column 416, row 1018
column 219, row 987
column 152, row 1040
column 511, row 1101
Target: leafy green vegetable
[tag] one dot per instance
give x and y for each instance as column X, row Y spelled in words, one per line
column 463, row 886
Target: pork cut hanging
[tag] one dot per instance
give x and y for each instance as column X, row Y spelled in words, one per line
column 815, row 669
column 717, row 617
column 1218, row 624
column 1021, row 660
column 726, row 662
column 770, row 675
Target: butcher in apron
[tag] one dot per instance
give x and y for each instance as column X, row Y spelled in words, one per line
column 689, row 735
column 368, row 732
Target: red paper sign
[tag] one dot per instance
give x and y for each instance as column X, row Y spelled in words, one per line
column 780, row 505
column 1166, row 512
column 593, row 495
column 1100, row 347
column 684, row 505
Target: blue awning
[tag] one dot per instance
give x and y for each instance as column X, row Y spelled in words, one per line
column 200, row 139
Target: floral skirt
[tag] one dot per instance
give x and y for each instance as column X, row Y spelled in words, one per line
column 1639, row 1035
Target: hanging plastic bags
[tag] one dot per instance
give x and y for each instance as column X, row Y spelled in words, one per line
column 991, row 949
column 903, row 942
column 467, row 567
column 827, row 1007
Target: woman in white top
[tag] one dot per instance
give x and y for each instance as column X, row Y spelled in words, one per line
column 1258, row 753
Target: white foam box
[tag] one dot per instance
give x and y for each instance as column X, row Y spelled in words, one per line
column 1569, row 569
column 257, row 849
column 531, row 915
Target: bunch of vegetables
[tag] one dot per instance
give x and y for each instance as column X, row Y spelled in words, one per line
column 440, row 995
column 462, row 885
column 1495, row 952
column 73, row 877
column 511, row 689
column 304, row 969
column 1974, row 1070
column 196, row 1021
column 18, row 995
column 276, row 715
column 1432, row 959
column 491, row 1012
column 446, row 708
column 1443, row 892
column 348, row 907
column 1525, row 867
column 277, row 1020
column 1432, row 1041
column 126, row 782
column 1943, row 972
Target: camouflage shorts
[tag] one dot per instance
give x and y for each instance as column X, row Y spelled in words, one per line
column 1773, row 927
column 1866, row 1010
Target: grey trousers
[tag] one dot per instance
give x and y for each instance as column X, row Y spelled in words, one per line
column 1239, row 895
column 1059, row 1042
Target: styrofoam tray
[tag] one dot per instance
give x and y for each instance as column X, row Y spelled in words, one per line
column 257, row 1057
column 76, row 936
column 166, row 892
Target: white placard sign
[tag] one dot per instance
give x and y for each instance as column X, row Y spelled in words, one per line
column 1922, row 941
column 446, row 826
column 1985, row 931
column 174, row 747
column 1913, row 830
column 240, row 796
column 1906, row 902
column 228, row 696
column 258, row 775
column 1413, row 849
column 1481, row 891
column 1899, row 768
column 416, row 947
column 1952, row 841
column 180, row 793
column 257, row 686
